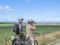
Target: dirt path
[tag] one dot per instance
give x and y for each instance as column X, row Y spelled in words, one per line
column 50, row 37
column 57, row 43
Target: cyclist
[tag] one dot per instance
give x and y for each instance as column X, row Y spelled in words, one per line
column 30, row 30
column 18, row 29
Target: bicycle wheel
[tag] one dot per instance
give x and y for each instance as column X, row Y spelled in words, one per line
column 35, row 42
column 19, row 43
column 16, row 43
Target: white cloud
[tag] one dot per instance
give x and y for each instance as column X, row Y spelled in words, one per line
column 8, row 8
column 56, row 19
column 5, row 8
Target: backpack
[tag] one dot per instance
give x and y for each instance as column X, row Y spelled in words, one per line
column 16, row 28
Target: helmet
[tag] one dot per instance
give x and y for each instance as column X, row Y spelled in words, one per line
column 31, row 21
column 20, row 19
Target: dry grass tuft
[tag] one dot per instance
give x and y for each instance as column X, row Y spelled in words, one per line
column 47, row 38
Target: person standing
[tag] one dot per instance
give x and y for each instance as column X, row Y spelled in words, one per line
column 30, row 30
column 18, row 29
column 20, row 26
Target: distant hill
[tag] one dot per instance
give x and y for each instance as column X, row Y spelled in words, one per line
column 8, row 22
column 26, row 22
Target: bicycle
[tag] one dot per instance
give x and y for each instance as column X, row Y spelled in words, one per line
column 25, row 41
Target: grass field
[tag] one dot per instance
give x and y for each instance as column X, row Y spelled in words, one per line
column 6, row 30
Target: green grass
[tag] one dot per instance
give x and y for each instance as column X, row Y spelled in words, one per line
column 6, row 30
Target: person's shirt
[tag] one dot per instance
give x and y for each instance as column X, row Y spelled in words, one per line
column 30, row 29
column 20, row 26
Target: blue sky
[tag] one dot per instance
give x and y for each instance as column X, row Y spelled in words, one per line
column 38, row 10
